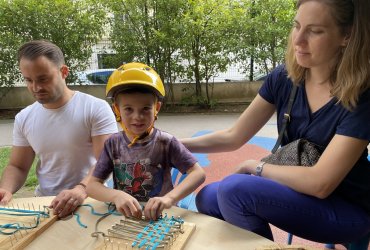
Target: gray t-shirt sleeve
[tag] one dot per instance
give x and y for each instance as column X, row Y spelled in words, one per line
column 104, row 165
column 181, row 158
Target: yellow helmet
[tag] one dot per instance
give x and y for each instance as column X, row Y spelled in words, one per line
column 133, row 75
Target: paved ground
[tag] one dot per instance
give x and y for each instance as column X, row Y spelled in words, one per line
column 180, row 125
column 6, row 128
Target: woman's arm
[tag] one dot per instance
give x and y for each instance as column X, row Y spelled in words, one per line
column 249, row 123
column 323, row 178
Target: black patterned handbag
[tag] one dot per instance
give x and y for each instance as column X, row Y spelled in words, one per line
column 300, row 152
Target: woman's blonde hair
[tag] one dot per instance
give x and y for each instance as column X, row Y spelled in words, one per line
column 351, row 75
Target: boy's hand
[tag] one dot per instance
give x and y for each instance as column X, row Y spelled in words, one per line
column 127, row 205
column 156, row 205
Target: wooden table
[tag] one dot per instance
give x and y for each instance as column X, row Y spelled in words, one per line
column 210, row 232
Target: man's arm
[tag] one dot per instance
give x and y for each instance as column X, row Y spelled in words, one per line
column 15, row 173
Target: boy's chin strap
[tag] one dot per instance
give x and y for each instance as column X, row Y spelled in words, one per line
column 128, row 132
column 137, row 137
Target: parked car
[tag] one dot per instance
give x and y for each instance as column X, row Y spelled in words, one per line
column 96, row 76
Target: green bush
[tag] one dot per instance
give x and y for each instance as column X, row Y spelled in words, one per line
column 4, row 159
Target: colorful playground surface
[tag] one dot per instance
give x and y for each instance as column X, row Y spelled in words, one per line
column 219, row 165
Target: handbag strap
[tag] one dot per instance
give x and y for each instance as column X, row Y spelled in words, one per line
column 286, row 118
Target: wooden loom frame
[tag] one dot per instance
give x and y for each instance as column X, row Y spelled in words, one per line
column 22, row 238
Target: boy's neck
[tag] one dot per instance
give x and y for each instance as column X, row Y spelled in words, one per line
column 131, row 137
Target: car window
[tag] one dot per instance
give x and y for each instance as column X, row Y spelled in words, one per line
column 99, row 77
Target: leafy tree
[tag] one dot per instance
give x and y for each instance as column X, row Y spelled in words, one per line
column 264, row 29
column 209, row 32
column 149, row 31
column 197, row 39
column 180, row 38
column 73, row 25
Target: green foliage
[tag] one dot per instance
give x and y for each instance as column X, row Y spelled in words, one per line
column 208, row 25
column 264, row 26
column 149, row 31
column 203, row 35
column 184, row 40
column 4, row 159
column 73, row 25
column 200, row 102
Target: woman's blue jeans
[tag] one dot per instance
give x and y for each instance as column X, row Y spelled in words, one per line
column 252, row 202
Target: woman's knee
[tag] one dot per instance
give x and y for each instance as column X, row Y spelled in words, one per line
column 233, row 185
column 206, row 197
column 238, row 190
column 206, row 200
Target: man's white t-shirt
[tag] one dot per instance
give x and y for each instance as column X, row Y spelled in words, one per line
column 61, row 138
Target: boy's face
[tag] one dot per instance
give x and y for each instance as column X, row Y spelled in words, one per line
column 137, row 111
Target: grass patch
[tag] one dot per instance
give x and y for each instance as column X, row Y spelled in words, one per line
column 31, row 180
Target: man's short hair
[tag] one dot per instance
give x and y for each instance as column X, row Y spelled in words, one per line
column 34, row 49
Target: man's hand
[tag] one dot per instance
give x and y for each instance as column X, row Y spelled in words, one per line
column 68, row 200
column 155, row 206
column 5, row 196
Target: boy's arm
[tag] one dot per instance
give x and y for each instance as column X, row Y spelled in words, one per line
column 125, row 203
column 69, row 199
column 196, row 176
column 98, row 145
column 96, row 190
column 155, row 205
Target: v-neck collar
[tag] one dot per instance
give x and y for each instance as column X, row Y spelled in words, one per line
column 324, row 107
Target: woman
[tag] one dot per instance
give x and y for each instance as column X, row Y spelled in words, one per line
column 328, row 58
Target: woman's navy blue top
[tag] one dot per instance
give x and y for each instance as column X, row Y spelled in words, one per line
column 320, row 127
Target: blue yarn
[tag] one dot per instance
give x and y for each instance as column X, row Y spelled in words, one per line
column 5, row 229
column 92, row 211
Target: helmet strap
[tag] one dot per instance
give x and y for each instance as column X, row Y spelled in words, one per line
column 116, row 112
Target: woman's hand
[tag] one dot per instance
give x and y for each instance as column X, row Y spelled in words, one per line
column 247, row 167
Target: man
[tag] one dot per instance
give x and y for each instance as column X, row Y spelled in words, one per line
column 66, row 129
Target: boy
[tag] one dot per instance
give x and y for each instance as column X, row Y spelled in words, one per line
column 141, row 156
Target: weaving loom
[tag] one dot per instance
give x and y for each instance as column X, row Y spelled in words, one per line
column 20, row 225
column 131, row 233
